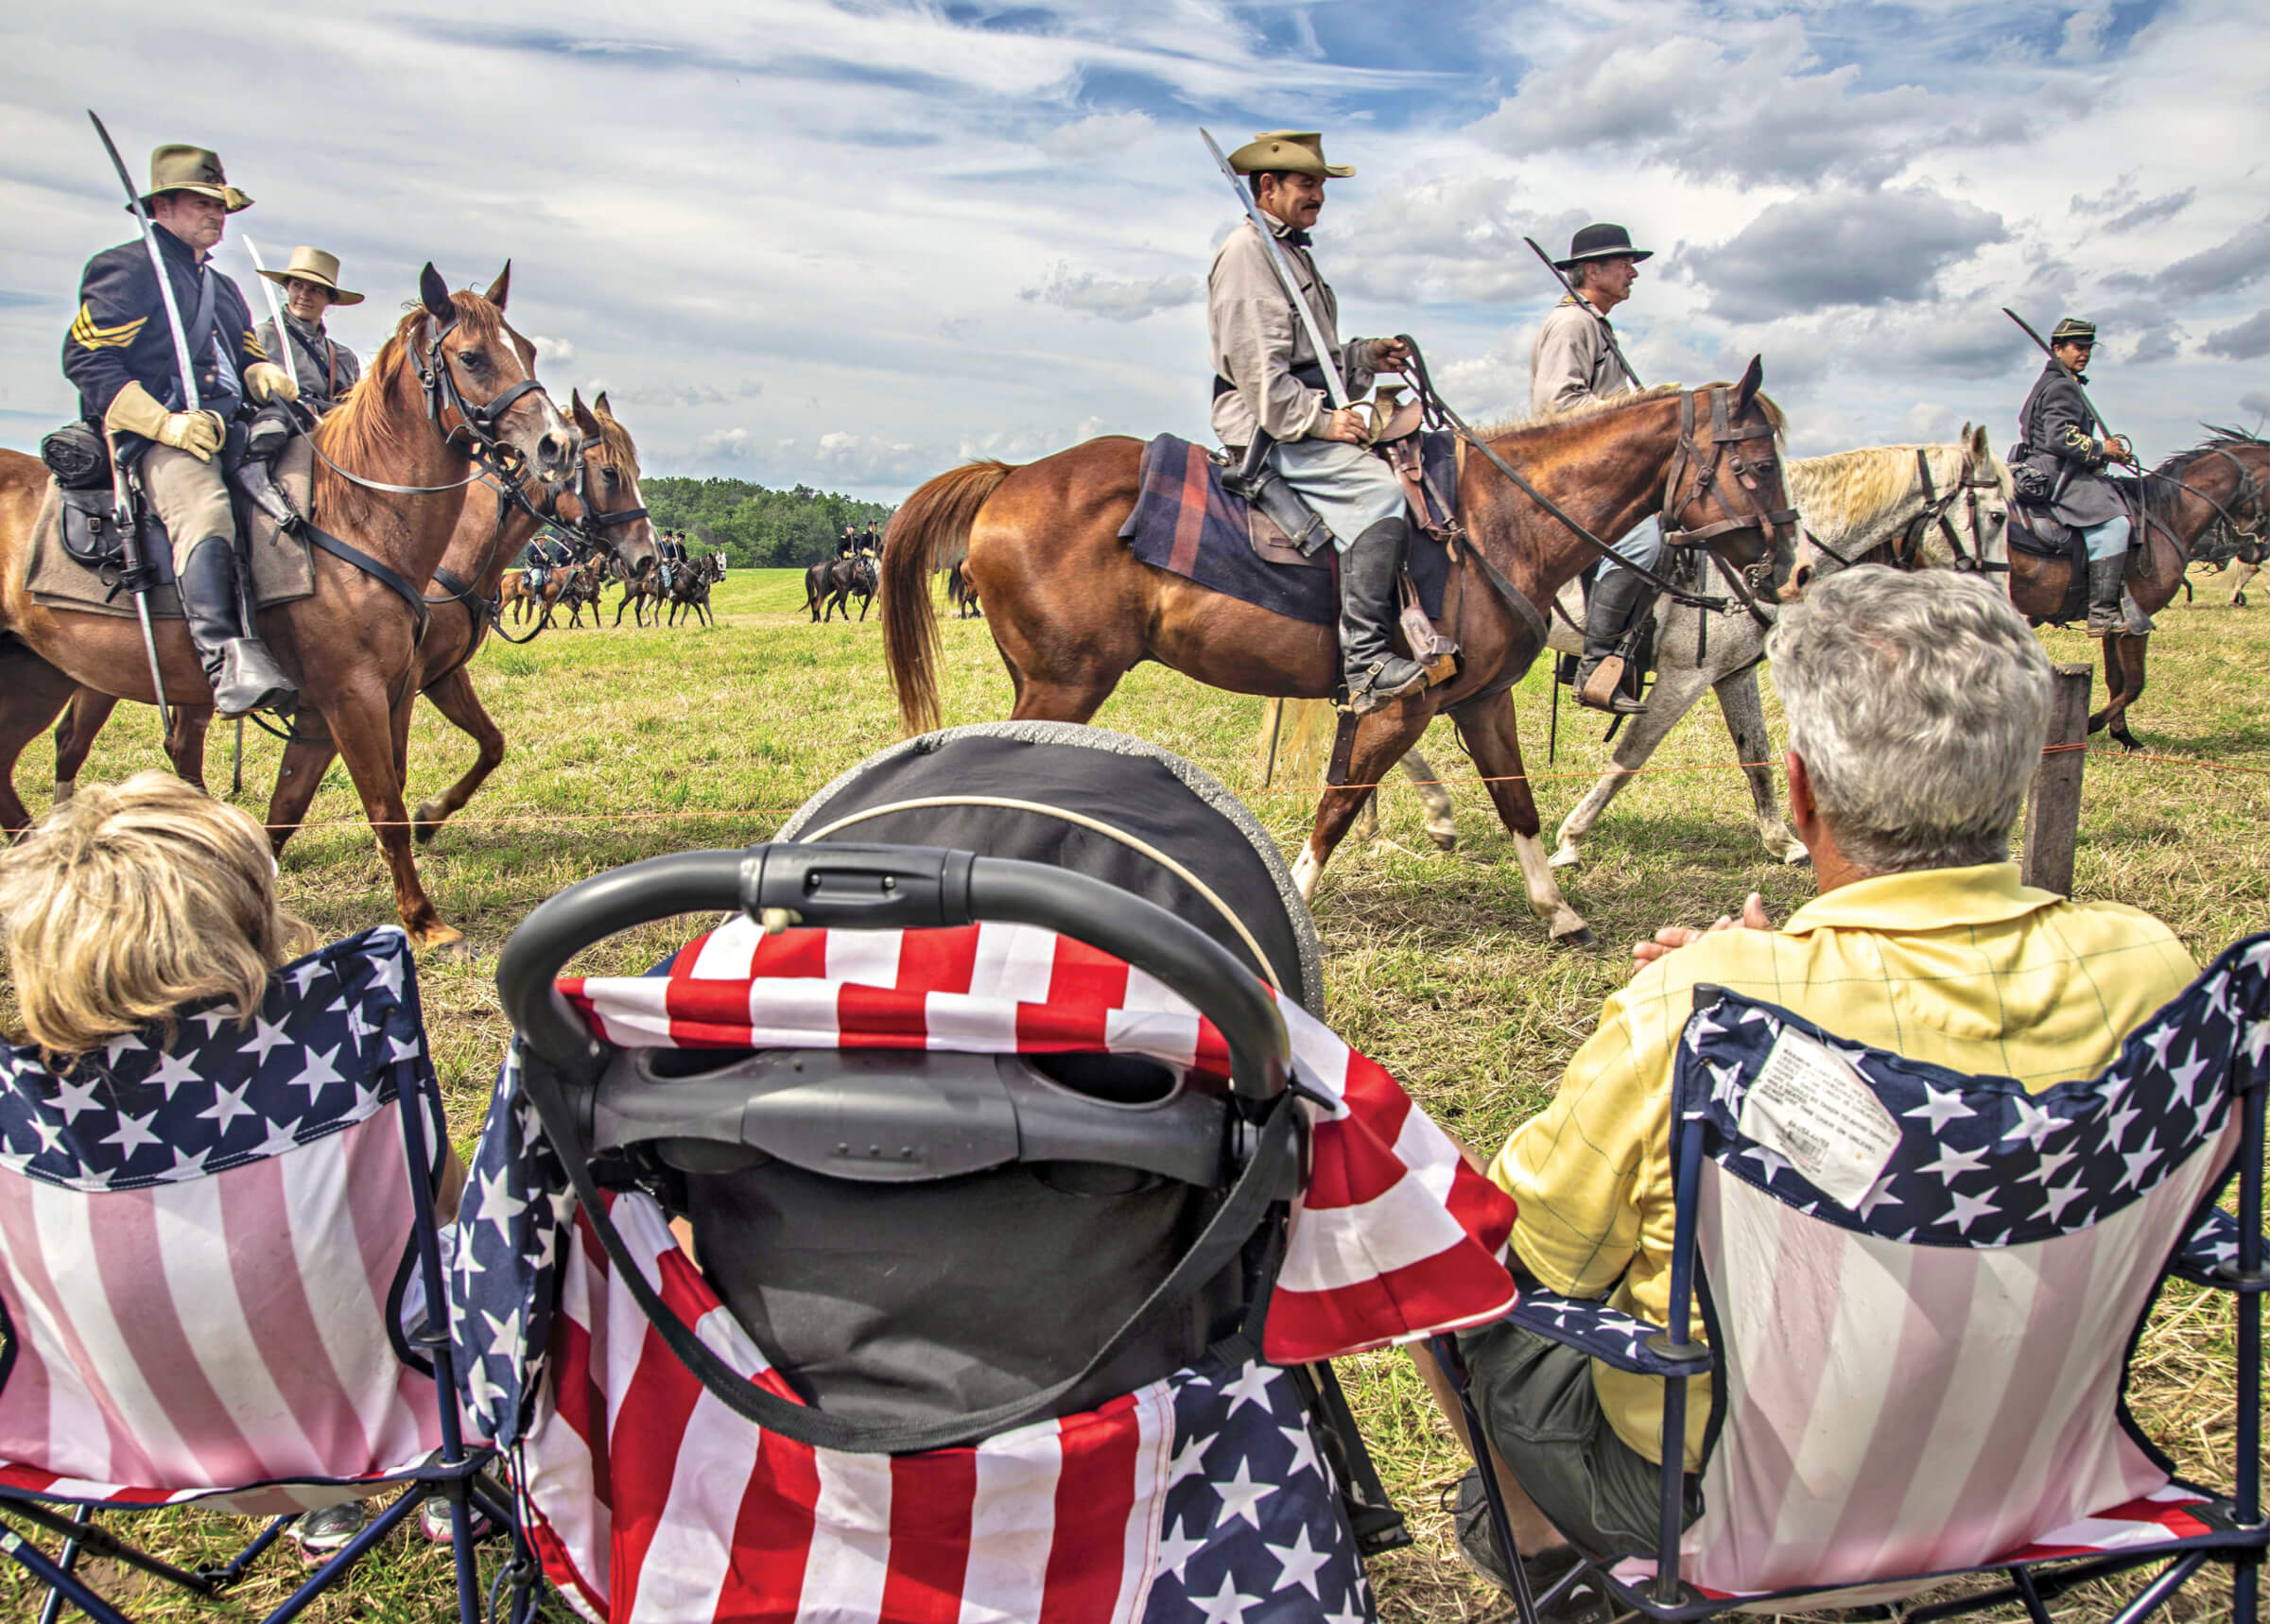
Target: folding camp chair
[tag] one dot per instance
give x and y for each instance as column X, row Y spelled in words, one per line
column 210, row 1247
column 1020, row 1199
column 1921, row 1293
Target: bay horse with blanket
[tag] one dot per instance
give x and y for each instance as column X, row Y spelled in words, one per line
column 1073, row 608
column 447, row 399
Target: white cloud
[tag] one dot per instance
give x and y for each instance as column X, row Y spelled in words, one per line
column 1097, row 134
column 2083, row 39
column 1118, row 299
column 724, row 445
column 552, row 348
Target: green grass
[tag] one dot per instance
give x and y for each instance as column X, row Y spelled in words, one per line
column 630, row 743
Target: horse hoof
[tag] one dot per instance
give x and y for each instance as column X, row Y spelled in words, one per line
column 450, row 947
column 1445, row 843
column 1581, row 937
column 1566, row 857
column 2238, row 600
column 1800, row 858
column 426, row 822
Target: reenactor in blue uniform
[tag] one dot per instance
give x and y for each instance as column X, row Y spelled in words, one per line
column 670, row 550
column 543, row 554
column 847, row 546
column 120, row 355
column 2062, row 453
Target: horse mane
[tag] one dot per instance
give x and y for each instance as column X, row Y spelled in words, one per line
column 1559, row 416
column 616, row 439
column 2160, row 496
column 362, row 433
column 1846, row 488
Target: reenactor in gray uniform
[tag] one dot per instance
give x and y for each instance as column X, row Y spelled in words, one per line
column 325, row 368
column 120, row 353
column 1267, row 379
column 2061, row 455
column 1574, row 361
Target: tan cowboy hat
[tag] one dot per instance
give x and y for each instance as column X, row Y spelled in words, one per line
column 177, row 168
column 1291, row 151
column 314, row 265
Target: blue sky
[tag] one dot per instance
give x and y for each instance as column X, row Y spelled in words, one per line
column 852, row 243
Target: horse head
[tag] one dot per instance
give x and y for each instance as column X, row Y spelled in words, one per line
column 1725, row 487
column 614, row 513
column 480, row 387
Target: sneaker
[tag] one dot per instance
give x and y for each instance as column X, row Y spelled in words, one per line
column 323, row 1534
column 433, row 1521
column 1583, row 1602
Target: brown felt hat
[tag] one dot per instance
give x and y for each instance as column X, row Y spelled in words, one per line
column 178, row 167
column 1286, row 151
column 314, row 265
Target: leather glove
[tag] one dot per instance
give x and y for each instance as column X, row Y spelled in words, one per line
column 264, row 381
column 134, row 410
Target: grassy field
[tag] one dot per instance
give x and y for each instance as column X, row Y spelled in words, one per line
column 628, row 743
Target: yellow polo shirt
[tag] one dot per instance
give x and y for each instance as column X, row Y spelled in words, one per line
column 1965, row 968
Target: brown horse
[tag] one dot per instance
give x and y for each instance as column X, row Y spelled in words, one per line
column 1071, row 610
column 417, row 418
column 689, row 591
column 2220, row 482
column 604, row 508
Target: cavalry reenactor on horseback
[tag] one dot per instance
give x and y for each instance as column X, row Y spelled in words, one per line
column 545, row 553
column 2060, row 464
column 1575, row 361
column 1268, row 382
column 671, row 552
column 847, row 546
column 120, row 355
column 872, row 542
column 325, row 368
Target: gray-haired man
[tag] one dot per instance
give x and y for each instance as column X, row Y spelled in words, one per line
column 1922, row 942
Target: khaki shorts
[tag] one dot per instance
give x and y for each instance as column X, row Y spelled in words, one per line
column 190, row 497
column 1539, row 1406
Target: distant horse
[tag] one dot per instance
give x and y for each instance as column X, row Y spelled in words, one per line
column 602, row 510
column 639, row 592
column 690, row 591
column 512, row 593
column 417, row 418
column 959, row 593
column 1072, row 609
column 2219, row 481
column 831, row 582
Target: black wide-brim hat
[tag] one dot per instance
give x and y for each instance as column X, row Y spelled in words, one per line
column 1601, row 242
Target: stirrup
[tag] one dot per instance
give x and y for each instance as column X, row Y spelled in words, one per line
column 1365, row 695
column 1604, row 689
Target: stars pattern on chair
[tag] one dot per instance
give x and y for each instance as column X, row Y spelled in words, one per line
column 337, row 1038
column 1982, row 1161
column 1607, row 1334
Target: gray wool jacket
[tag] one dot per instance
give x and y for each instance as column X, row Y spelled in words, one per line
column 1257, row 342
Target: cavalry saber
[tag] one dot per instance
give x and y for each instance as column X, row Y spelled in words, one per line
column 1333, row 387
column 275, row 313
column 1606, row 330
column 2059, row 360
column 130, row 536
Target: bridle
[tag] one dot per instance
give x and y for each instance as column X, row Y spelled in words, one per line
column 492, row 458
column 1702, row 478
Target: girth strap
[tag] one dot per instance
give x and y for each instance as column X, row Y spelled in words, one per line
column 385, row 573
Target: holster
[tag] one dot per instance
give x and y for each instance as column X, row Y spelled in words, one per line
column 1257, row 482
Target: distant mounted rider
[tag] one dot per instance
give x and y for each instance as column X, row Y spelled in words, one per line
column 120, row 355
column 324, row 368
column 847, row 545
column 1267, row 380
column 669, row 552
column 2060, row 464
column 1574, row 363
column 545, row 553
column 871, row 541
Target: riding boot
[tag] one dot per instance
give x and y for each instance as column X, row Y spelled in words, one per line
column 245, row 677
column 1608, row 613
column 1375, row 673
column 2104, row 577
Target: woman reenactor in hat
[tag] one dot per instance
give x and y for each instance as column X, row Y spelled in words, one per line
column 120, row 353
column 1267, row 380
column 2064, row 451
column 326, row 368
column 1575, row 360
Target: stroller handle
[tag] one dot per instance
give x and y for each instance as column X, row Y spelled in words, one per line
column 861, row 886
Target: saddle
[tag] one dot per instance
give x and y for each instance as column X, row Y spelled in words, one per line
column 77, row 556
column 2036, row 532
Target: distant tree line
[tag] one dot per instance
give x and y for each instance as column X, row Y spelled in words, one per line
column 755, row 526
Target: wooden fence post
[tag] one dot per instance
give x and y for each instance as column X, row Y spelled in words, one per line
column 2053, row 804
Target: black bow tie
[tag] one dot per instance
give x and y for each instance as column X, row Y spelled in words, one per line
column 1297, row 238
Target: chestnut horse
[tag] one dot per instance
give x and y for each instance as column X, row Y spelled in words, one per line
column 419, row 417
column 462, row 603
column 1071, row 610
column 2220, row 482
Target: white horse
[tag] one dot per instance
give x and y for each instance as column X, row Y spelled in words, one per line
column 1943, row 506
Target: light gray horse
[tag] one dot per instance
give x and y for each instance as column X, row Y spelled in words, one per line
column 1853, row 502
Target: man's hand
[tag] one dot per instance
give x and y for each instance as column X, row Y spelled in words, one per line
column 1674, row 937
column 265, row 381
column 198, row 433
column 1345, row 425
column 2116, row 449
column 1390, row 356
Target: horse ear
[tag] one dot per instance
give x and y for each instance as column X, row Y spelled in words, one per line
column 434, row 294
column 1753, row 375
column 599, row 403
column 582, row 413
column 1979, row 449
column 502, row 287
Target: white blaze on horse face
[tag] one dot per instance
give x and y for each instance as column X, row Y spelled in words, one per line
column 1544, row 899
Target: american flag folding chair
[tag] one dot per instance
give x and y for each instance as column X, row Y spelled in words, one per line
column 1921, row 1293
column 210, row 1250
column 838, row 1415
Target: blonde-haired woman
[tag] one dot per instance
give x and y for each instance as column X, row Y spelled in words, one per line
column 132, row 905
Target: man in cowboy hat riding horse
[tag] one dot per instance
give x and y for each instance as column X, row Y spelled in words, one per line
column 120, row 353
column 1575, row 361
column 1267, row 380
column 326, row 369
column 2062, row 453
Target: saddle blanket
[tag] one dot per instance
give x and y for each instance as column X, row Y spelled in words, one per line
column 282, row 566
column 1185, row 523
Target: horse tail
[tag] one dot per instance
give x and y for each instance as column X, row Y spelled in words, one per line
column 930, row 531
column 1296, row 737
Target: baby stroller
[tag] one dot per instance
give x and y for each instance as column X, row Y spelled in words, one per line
column 1021, row 1184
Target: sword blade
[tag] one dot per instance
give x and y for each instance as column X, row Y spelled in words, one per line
column 275, row 313
column 2053, row 354
column 157, row 262
column 1292, row 284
